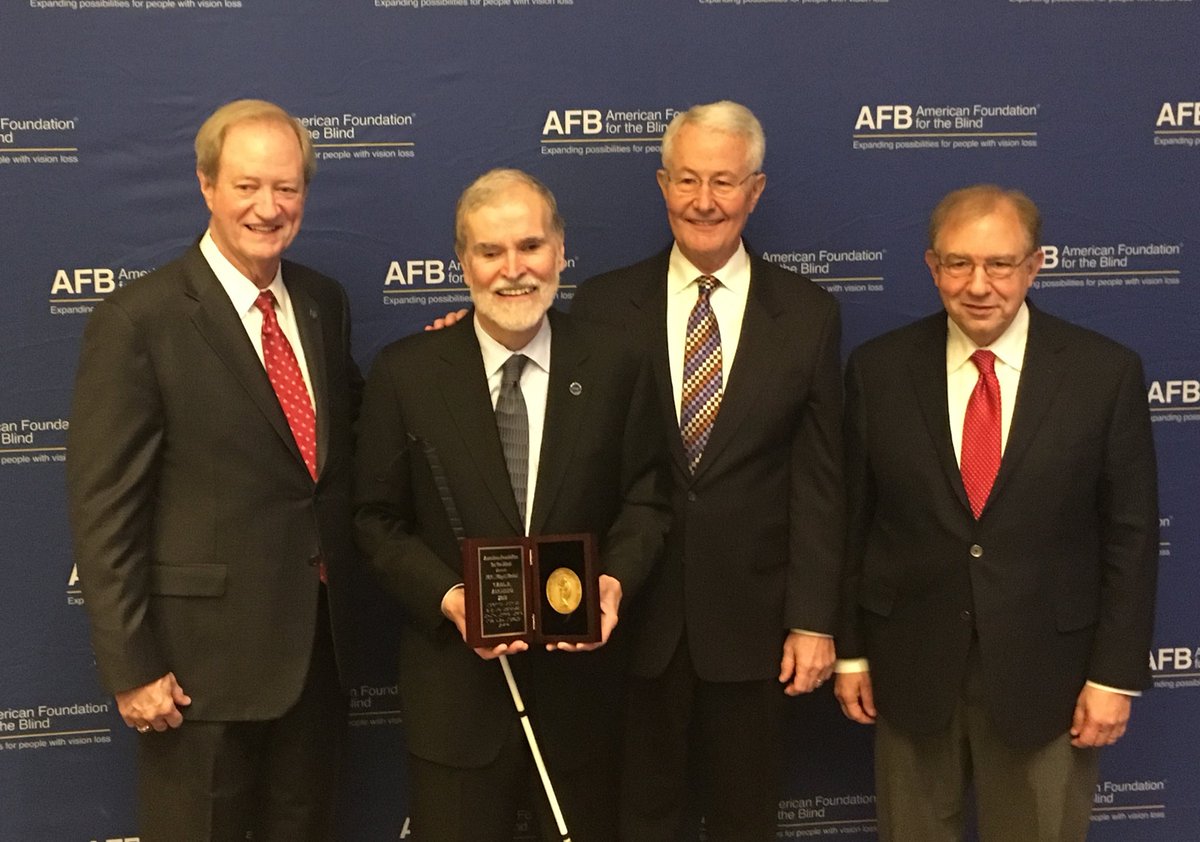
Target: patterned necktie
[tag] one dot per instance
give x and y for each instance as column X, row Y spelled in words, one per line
column 701, row 374
column 512, row 420
column 981, row 433
column 284, row 373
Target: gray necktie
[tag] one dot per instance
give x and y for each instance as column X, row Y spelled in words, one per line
column 512, row 420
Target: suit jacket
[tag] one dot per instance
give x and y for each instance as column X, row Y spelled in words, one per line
column 597, row 474
column 1056, row 578
column 197, row 525
column 756, row 545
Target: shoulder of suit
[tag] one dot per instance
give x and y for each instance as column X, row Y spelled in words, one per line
column 1079, row 339
column 788, row 284
column 889, row 345
column 299, row 276
column 649, row 271
column 426, row 343
column 150, row 294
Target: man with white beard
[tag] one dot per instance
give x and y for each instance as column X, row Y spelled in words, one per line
column 436, row 409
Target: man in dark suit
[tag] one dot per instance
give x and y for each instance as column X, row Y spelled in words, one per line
column 436, row 408
column 1003, row 536
column 748, row 380
column 209, row 472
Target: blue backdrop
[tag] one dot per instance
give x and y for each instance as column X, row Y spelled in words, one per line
column 873, row 109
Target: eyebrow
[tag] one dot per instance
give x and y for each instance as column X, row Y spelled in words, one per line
column 950, row 254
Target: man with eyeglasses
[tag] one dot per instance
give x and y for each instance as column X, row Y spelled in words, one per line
column 1002, row 544
column 742, row 608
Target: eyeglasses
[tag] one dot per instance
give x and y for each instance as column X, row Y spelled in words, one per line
column 721, row 186
column 996, row 268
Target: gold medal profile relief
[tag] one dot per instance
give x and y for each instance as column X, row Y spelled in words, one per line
column 563, row 590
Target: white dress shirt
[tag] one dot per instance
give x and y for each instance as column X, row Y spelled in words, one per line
column 243, row 292
column 535, row 384
column 728, row 303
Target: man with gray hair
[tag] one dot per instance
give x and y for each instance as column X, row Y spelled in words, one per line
column 1002, row 544
column 748, row 376
column 209, row 481
column 516, row 421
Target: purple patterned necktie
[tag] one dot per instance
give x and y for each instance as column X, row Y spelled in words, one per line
column 702, row 384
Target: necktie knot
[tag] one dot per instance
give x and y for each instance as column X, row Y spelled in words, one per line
column 510, row 373
column 985, row 361
column 707, row 283
column 265, row 302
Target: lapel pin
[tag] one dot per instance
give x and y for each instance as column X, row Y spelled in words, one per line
column 575, row 389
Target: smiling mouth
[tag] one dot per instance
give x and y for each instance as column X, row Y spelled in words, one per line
column 515, row 292
column 263, row 229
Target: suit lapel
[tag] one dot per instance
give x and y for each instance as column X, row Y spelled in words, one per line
column 1041, row 372
column 464, row 390
column 216, row 320
column 312, row 340
column 758, row 344
column 928, row 370
column 649, row 327
column 569, row 392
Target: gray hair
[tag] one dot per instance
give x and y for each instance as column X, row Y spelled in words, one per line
column 724, row 116
column 487, row 187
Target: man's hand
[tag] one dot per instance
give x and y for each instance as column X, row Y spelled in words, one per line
column 155, row 705
column 610, row 603
column 806, row 663
column 1100, row 717
column 853, row 691
column 447, row 320
column 454, row 606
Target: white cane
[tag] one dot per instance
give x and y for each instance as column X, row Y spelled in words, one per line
column 534, row 750
column 443, row 487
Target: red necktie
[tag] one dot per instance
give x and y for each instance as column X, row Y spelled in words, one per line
column 981, row 433
column 284, row 373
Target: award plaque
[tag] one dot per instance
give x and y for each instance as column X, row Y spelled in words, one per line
column 543, row 589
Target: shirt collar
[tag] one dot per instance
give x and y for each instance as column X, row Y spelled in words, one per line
column 1009, row 348
column 682, row 273
column 241, row 290
column 495, row 354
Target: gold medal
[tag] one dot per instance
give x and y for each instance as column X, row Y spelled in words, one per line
column 563, row 590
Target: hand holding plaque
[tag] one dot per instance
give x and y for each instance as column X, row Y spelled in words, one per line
column 542, row 589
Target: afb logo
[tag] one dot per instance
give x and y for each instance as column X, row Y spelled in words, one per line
column 883, row 117
column 589, row 121
column 83, row 281
column 424, row 272
column 1174, row 392
column 1178, row 114
column 1173, row 659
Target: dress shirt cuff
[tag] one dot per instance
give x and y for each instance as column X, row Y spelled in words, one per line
column 457, row 587
column 1099, row 686
column 851, row 665
column 813, row 633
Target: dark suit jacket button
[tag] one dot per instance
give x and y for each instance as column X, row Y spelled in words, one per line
column 976, row 551
column 691, row 496
column 314, row 561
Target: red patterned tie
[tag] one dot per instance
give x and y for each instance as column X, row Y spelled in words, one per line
column 981, row 433
column 701, row 373
column 288, row 383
